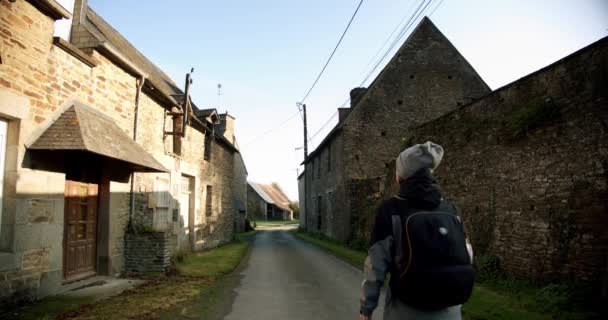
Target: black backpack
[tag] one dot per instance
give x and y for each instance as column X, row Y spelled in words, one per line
column 433, row 269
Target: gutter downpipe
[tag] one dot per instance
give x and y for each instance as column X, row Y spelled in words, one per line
column 139, row 85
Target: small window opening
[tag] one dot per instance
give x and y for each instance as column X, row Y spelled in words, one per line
column 399, row 102
column 207, row 151
column 411, row 76
column 450, row 77
column 383, row 133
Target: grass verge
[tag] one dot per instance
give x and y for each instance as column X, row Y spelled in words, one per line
column 490, row 300
column 275, row 223
column 196, row 280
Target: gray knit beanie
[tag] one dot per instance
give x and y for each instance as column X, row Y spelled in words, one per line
column 419, row 156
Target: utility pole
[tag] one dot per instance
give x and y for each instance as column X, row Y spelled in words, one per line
column 306, row 187
column 303, row 109
column 305, row 133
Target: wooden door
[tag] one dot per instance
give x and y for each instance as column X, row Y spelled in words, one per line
column 80, row 236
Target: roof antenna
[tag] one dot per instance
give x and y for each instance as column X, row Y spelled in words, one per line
column 219, row 95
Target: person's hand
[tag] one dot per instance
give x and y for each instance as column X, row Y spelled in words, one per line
column 362, row 317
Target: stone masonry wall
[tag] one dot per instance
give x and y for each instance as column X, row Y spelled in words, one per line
column 147, row 252
column 240, row 193
column 528, row 167
column 324, row 179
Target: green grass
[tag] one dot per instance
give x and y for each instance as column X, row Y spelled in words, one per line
column 213, row 263
column 197, row 282
column 354, row 257
column 275, row 223
column 490, row 300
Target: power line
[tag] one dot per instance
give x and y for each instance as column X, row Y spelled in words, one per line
column 439, row 5
column 403, row 31
column 332, row 53
column 323, row 126
column 387, row 39
column 282, row 124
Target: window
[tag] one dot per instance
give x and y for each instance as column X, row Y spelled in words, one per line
column 329, row 157
column 3, row 134
column 207, row 151
column 209, row 202
column 162, row 217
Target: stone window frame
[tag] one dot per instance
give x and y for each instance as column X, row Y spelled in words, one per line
column 14, row 108
column 3, row 147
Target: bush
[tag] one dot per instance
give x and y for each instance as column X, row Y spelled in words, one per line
column 487, row 268
column 554, row 297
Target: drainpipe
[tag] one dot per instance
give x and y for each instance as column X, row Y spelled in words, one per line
column 139, row 85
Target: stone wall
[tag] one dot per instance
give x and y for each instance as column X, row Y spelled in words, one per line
column 240, row 193
column 147, row 252
column 528, row 167
column 326, row 192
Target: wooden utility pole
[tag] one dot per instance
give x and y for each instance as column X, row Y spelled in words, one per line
column 305, row 132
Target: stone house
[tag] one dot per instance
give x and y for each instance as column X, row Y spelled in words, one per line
column 425, row 79
column 268, row 202
column 106, row 164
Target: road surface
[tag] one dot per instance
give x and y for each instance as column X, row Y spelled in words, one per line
column 287, row 278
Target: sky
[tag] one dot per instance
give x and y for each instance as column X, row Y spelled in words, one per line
column 267, row 53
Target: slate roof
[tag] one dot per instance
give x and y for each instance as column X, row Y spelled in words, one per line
column 156, row 76
column 82, row 128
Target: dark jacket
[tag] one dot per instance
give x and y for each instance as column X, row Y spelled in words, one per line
column 418, row 193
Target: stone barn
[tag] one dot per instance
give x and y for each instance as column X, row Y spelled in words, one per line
column 268, row 202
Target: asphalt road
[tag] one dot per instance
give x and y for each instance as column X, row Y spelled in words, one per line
column 287, row 278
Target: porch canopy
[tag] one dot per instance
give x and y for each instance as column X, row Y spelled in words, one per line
column 82, row 133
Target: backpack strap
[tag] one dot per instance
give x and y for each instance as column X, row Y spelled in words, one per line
column 397, row 232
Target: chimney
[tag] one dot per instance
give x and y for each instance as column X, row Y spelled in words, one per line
column 226, row 127
column 343, row 113
column 355, row 96
column 80, row 11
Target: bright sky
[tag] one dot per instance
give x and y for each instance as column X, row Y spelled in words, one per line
column 267, row 53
